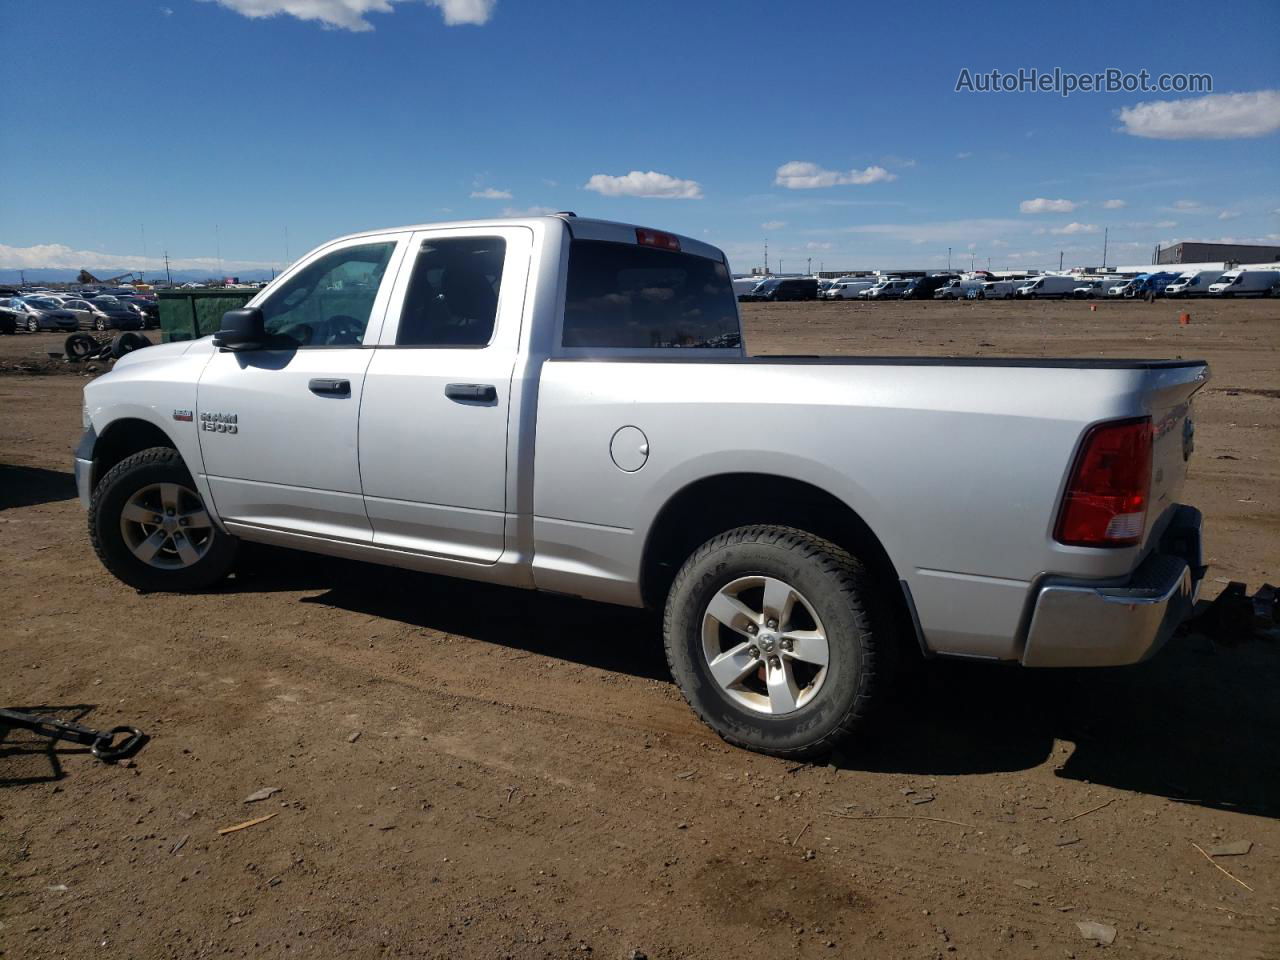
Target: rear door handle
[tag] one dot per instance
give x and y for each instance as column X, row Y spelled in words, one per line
column 474, row 392
column 330, row 388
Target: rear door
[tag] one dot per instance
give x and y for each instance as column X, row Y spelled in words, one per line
column 278, row 426
column 434, row 418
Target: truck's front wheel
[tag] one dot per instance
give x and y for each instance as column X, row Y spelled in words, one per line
column 769, row 637
column 150, row 528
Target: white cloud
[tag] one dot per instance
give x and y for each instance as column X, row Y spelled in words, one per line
column 350, row 14
column 802, row 175
column 59, row 256
column 166, row 11
column 1228, row 214
column 528, row 211
column 941, row 231
column 1045, row 205
column 811, row 245
column 964, row 155
column 1166, row 224
column 637, row 183
column 1073, row 228
column 1114, row 205
column 1218, row 116
column 773, row 225
column 490, row 193
column 1186, row 205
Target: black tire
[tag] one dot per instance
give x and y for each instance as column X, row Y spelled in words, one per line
column 151, row 466
column 835, row 584
column 78, row 346
column 100, row 323
column 33, row 325
column 128, row 342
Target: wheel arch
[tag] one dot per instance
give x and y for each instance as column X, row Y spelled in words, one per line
column 123, row 438
column 714, row 504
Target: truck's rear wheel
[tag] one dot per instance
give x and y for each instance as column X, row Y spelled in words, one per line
column 769, row 637
column 150, row 528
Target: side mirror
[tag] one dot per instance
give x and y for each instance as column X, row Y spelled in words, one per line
column 242, row 329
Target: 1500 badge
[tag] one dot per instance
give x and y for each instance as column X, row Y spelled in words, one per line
column 220, row 422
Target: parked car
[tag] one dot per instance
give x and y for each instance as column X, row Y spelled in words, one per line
column 1247, row 283
column 8, row 317
column 742, row 286
column 848, row 289
column 786, row 288
column 886, row 290
column 1193, row 283
column 149, row 309
column 957, row 289
column 1044, row 529
column 1046, row 287
column 1090, row 289
column 102, row 314
column 1000, row 289
column 923, row 288
column 39, row 313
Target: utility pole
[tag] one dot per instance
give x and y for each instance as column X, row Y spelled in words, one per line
column 809, row 265
column 168, row 276
column 1059, row 261
column 971, row 263
column 1105, row 233
column 988, row 264
column 779, row 265
column 948, row 259
column 766, row 256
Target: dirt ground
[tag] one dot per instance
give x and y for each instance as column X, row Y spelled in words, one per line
column 473, row 772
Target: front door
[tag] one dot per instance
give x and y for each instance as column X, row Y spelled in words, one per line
column 278, row 426
column 434, row 419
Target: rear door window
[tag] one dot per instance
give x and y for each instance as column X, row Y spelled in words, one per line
column 623, row 295
column 452, row 299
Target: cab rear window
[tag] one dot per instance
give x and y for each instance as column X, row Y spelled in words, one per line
column 627, row 296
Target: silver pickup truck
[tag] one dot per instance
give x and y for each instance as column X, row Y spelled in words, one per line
column 565, row 404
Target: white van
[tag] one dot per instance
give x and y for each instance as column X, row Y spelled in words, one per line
column 1247, row 283
column 848, row 289
column 1000, row 289
column 958, row 289
column 1193, row 283
column 1042, row 287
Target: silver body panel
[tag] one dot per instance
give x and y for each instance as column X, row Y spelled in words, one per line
column 958, row 467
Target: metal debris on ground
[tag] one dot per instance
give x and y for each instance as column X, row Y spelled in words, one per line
column 102, row 744
column 266, row 793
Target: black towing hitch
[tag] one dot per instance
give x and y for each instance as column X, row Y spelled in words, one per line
column 108, row 746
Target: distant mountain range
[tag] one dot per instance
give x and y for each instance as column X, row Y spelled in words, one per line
column 59, row 275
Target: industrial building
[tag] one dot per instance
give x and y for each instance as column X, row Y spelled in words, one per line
column 1224, row 252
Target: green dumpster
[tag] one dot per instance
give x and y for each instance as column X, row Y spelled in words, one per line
column 195, row 313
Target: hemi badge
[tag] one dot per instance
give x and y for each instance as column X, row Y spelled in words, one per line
column 183, row 415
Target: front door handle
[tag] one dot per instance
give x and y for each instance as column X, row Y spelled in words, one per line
column 472, row 392
column 330, row 388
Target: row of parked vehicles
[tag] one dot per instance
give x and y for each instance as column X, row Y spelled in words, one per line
column 1240, row 282
column 35, row 312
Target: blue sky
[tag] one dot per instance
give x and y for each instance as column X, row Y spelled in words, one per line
column 203, row 128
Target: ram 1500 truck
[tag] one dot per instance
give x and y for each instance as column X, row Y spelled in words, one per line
column 565, row 404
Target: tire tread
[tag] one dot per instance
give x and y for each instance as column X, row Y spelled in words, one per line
column 850, row 577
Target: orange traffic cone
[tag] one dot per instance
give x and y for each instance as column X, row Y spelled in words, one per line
column 1185, row 320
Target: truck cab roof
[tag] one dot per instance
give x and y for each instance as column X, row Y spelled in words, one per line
column 580, row 228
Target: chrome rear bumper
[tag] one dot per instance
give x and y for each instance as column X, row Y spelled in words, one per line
column 1086, row 625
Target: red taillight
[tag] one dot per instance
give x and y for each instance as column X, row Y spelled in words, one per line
column 1106, row 500
column 656, row 238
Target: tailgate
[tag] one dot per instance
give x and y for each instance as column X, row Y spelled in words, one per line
column 1168, row 393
